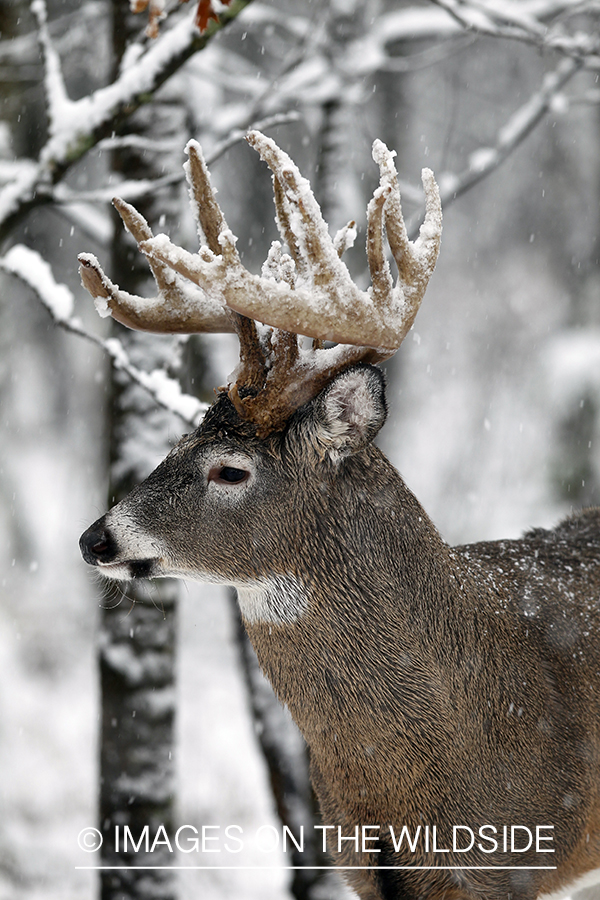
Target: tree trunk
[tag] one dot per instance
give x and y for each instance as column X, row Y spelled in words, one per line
column 138, row 641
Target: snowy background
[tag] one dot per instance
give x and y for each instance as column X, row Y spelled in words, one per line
column 494, row 398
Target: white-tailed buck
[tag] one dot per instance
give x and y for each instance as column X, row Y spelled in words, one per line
column 449, row 696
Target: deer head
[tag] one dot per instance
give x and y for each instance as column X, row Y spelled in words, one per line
column 308, row 292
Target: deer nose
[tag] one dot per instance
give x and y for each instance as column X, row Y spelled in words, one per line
column 97, row 545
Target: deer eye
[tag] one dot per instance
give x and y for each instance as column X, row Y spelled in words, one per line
column 228, row 475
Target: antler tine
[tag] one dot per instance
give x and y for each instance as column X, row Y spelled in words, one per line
column 312, row 238
column 381, row 277
column 139, row 229
column 251, row 370
column 179, row 307
column 345, row 237
column 208, row 213
column 133, row 220
column 415, row 261
column 282, row 212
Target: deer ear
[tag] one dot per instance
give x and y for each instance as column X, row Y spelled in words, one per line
column 348, row 413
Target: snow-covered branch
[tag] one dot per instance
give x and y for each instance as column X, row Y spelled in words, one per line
column 485, row 160
column 59, row 107
column 34, row 271
column 77, row 125
column 527, row 22
column 513, row 132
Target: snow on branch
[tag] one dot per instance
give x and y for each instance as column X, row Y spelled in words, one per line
column 58, row 103
column 77, row 125
column 33, row 270
column 29, row 266
column 149, row 70
column 527, row 22
column 485, row 160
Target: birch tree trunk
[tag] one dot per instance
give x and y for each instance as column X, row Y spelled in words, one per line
column 138, row 641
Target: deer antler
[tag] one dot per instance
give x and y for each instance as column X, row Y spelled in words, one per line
column 308, row 292
column 180, row 307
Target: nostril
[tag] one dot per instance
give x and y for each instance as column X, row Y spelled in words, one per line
column 97, row 545
column 100, row 546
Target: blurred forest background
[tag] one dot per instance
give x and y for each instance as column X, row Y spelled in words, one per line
column 494, row 398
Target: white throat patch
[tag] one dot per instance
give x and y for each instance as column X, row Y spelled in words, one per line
column 278, row 600
column 590, row 879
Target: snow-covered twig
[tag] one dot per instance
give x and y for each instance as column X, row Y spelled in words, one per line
column 486, row 159
column 431, row 56
column 131, row 190
column 34, row 271
column 239, row 134
column 137, row 142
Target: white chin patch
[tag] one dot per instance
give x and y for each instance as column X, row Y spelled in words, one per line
column 116, row 571
column 278, row 600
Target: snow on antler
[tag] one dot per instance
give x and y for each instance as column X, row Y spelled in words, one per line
column 179, row 307
column 324, row 303
column 306, row 292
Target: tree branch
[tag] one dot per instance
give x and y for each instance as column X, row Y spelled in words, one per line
column 510, row 21
column 76, row 126
column 35, row 272
column 485, row 160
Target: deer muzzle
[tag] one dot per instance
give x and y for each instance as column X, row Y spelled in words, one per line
column 99, row 548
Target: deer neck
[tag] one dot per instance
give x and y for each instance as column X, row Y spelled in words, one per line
column 374, row 597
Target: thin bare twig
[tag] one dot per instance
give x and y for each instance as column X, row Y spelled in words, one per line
column 432, row 56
